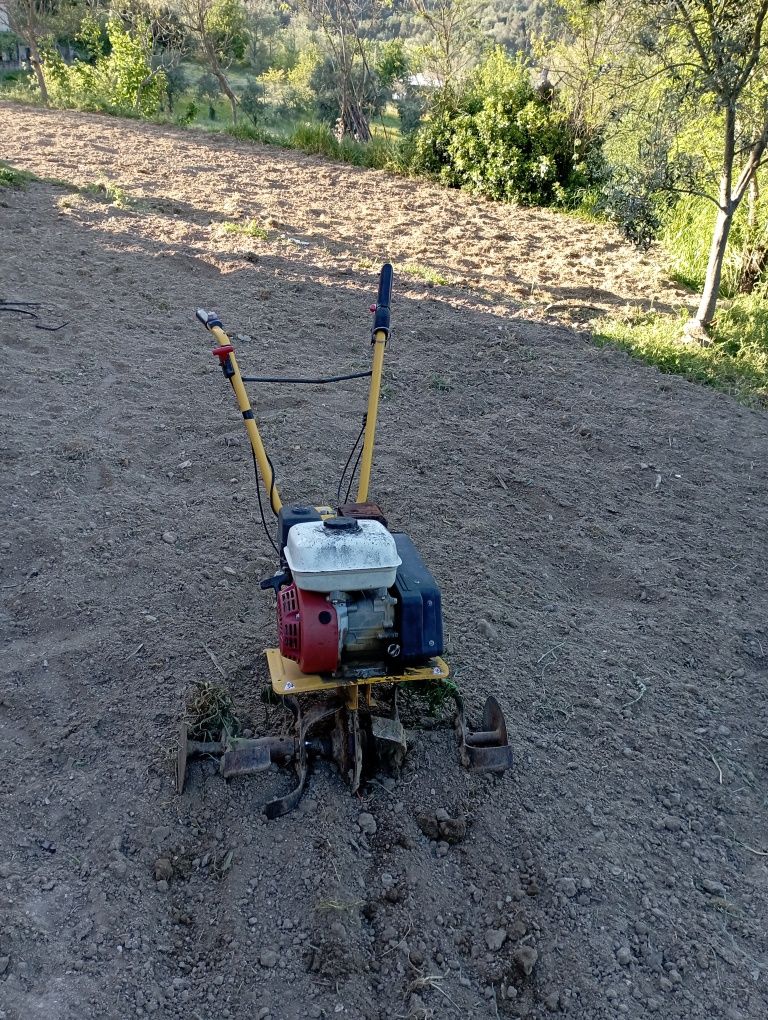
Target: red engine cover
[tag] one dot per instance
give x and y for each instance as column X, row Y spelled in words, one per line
column 309, row 629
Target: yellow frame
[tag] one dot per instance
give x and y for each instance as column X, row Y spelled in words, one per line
column 287, row 678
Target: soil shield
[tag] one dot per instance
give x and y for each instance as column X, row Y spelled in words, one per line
column 598, row 531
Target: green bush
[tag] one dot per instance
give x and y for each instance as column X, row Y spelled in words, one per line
column 497, row 136
column 411, row 106
column 119, row 81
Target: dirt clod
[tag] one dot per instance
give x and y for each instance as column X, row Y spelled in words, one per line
column 495, row 938
column 366, row 823
column 440, row 826
column 526, row 958
column 163, row 869
column 268, row 958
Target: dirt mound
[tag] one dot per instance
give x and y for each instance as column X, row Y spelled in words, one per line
column 597, row 530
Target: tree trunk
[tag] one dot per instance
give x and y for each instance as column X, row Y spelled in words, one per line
column 37, row 66
column 214, row 65
column 708, row 302
column 726, row 208
column 226, row 88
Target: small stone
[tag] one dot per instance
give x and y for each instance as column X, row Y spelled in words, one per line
column 162, row 885
column 160, row 834
column 169, row 537
column 487, row 629
column 624, row 956
column 568, row 887
column 119, row 866
column 713, row 888
column 367, row 823
column 230, row 571
column 163, row 869
column 525, row 958
column 552, row 1001
column 268, row 958
column 495, row 938
column 672, row 823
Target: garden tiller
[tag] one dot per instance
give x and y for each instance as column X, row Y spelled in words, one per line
column 358, row 614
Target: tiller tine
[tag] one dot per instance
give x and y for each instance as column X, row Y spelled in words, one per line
column 486, row 749
column 304, row 723
column 389, row 738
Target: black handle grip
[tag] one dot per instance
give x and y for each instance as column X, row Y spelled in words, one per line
column 381, row 321
column 385, row 285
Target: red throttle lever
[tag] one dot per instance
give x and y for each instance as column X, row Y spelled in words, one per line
column 222, row 352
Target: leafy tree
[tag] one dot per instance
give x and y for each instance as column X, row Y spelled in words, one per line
column 176, row 85
column 252, row 100
column 455, row 36
column 392, row 65
column 219, row 28
column 324, row 83
column 705, row 63
column 344, row 27
column 33, row 21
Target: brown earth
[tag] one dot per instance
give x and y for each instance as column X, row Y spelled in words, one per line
column 598, row 531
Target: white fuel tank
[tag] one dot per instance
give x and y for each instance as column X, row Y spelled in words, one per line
column 341, row 554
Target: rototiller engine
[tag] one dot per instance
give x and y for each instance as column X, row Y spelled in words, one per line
column 358, row 613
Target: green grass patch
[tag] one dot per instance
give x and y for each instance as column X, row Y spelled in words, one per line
column 250, row 133
column 10, row 177
column 250, row 228
column 736, row 362
column 112, row 194
column 440, row 385
column 425, row 273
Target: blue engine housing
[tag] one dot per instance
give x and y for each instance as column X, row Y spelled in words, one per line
column 420, row 620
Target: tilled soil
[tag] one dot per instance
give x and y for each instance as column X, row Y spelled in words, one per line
column 597, row 529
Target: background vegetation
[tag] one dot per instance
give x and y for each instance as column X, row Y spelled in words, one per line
column 650, row 114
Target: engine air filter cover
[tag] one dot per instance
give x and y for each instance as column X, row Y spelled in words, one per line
column 341, row 554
